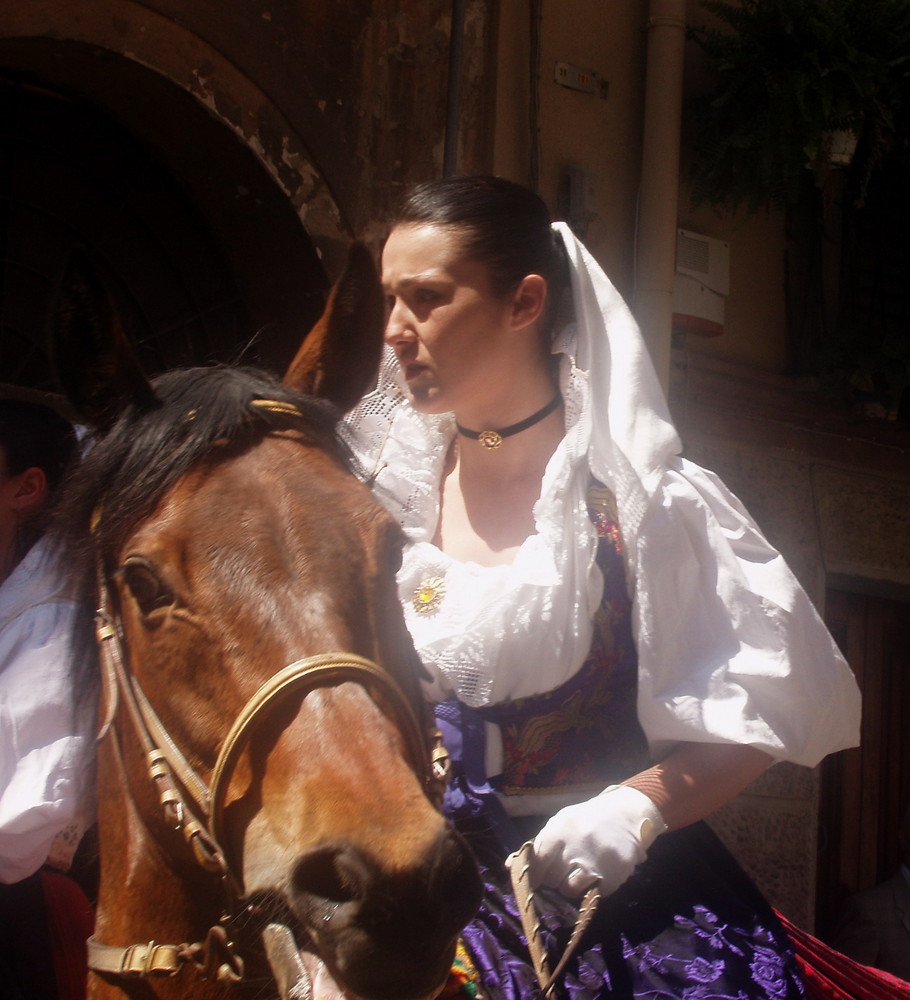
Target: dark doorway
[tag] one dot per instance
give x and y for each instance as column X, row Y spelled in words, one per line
column 69, row 177
column 205, row 250
column 865, row 790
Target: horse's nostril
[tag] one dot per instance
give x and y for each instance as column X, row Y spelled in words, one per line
column 335, row 874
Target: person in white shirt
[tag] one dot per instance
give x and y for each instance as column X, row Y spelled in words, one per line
column 44, row 766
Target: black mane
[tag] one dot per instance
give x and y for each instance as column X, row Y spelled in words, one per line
column 148, row 450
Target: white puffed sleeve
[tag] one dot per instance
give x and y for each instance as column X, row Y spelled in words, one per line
column 730, row 648
column 43, row 753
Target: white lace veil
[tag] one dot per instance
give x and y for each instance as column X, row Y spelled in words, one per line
column 511, row 631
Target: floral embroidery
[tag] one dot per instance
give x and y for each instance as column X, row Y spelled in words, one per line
column 604, row 515
column 704, row 971
column 766, row 969
column 714, row 933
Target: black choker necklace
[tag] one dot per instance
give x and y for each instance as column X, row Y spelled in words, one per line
column 493, row 439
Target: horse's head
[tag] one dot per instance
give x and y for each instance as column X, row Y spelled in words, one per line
column 246, row 580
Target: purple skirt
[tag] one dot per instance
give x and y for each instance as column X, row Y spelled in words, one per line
column 688, row 925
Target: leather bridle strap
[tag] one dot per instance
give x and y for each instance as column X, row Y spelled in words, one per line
column 214, row 958
column 199, row 813
column 300, row 677
column 519, row 867
column 137, row 960
column 202, row 825
column 163, row 759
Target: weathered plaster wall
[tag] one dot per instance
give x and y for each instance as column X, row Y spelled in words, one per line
column 755, row 331
column 599, row 132
column 602, row 135
column 864, row 524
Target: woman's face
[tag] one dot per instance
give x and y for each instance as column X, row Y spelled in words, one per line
column 453, row 336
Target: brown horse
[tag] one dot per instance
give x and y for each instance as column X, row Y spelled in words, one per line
column 264, row 791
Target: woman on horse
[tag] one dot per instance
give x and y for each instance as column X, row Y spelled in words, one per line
column 614, row 648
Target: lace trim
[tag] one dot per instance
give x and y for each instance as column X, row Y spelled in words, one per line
column 543, row 603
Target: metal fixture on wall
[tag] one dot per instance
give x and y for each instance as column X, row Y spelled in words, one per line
column 453, row 102
column 536, row 12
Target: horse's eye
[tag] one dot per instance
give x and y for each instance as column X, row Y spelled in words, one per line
column 148, row 589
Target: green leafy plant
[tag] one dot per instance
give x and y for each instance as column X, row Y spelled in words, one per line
column 784, row 76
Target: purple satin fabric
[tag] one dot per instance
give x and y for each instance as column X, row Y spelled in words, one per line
column 688, row 925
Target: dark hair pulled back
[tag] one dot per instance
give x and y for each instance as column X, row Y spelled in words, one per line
column 34, row 435
column 503, row 225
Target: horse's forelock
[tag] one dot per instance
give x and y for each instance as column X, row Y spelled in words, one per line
column 125, row 474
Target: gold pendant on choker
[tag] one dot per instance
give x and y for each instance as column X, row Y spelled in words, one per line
column 428, row 596
column 490, row 439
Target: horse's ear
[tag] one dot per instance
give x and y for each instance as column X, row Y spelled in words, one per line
column 340, row 356
column 92, row 357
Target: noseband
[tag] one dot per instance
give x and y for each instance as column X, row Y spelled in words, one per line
column 196, row 808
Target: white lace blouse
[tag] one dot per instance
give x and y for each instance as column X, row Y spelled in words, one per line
column 730, row 648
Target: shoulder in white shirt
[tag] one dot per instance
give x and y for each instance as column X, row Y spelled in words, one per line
column 43, row 756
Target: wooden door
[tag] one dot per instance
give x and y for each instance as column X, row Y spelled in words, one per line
column 865, row 790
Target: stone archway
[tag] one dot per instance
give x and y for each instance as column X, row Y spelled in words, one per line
column 200, row 225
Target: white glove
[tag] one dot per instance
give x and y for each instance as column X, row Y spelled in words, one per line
column 601, row 840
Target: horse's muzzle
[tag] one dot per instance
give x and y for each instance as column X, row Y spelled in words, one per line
column 386, row 935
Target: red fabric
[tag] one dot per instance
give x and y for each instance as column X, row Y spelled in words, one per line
column 70, row 922
column 830, row 975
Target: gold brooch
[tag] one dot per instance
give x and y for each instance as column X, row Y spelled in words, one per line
column 490, row 439
column 493, row 439
column 428, row 596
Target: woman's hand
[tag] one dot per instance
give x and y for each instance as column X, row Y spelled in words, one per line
column 603, row 839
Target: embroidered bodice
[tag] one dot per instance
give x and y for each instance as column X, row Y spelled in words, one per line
column 585, row 734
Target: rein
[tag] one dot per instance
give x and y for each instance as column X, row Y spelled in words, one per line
column 519, row 866
column 196, row 808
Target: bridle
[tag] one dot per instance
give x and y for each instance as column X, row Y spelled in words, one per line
column 196, row 808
